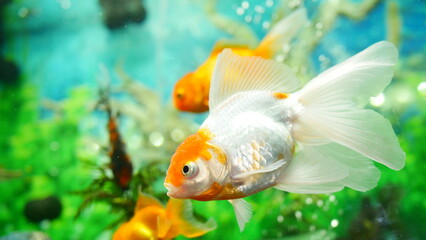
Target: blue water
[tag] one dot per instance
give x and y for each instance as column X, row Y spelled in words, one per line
column 61, row 44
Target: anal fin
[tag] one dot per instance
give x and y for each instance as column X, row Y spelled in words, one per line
column 243, row 211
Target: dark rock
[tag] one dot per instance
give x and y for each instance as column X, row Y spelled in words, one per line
column 48, row 208
column 9, row 72
column 118, row 13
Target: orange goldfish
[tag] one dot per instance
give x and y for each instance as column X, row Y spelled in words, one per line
column 152, row 221
column 191, row 93
column 259, row 115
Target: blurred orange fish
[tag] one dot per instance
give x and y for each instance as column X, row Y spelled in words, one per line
column 191, row 93
column 152, row 221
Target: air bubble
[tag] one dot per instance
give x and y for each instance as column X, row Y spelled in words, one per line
column 259, row 9
column 269, row 3
column 245, row 5
column 156, row 139
column 248, row 18
column 334, row 223
column 240, row 11
column 177, row 135
column 298, row 215
column 280, row 218
column 266, row 25
column 422, row 88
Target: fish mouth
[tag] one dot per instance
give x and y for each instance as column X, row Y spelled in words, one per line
column 171, row 190
column 168, row 186
column 174, row 192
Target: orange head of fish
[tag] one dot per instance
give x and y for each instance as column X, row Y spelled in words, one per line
column 191, row 93
column 193, row 168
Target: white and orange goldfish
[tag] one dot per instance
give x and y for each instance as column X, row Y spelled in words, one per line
column 191, row 92
column 152, row 221
column 262, row 131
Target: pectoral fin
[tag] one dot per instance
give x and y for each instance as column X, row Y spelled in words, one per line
column 268, row 168
column 146, row 200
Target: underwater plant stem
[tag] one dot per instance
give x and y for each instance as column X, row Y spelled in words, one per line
column 393, row 22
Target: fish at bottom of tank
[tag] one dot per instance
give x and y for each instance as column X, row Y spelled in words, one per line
column 151, row 220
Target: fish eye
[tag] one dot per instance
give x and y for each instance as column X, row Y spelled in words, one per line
column 179, row 95
column 188, row 169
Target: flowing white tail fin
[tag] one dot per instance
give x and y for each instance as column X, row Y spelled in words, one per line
column 337, row 136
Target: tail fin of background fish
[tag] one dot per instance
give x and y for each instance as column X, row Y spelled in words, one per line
column 180, row 213
column 337, row 137
column 281, row 34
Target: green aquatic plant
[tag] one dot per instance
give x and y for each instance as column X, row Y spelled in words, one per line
column 44, row 150
column 413, row 179
column 149, row 145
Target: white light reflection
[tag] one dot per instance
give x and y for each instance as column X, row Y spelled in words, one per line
column 334, row 223
column 422, row 88
column 378, row 100
column 156, row 139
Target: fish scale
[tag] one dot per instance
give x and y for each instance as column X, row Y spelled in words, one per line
column 259, row 125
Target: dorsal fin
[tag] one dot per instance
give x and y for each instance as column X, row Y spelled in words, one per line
column 229, row 43
column 146, row 200
column 235, row 73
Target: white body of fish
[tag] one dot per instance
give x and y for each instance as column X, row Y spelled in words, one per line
column 254, row 131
